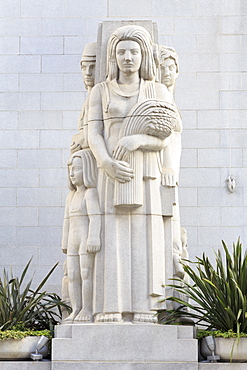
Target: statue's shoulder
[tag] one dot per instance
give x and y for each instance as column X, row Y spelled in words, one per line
column 70, row 197
column 100, row 94
column 160, row 86
column 156, row 90
column 100, row 86
column 162, row 92
column 99, row 89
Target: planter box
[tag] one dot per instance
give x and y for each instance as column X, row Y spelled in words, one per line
column 20, row 348
column 223, row 348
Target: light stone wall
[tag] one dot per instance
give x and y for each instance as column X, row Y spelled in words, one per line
column 42, row 93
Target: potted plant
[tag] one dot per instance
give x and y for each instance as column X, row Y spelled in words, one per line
column 26, row 314
column 217, row 299
column 229, row 345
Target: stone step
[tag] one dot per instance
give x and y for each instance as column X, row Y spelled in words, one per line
column 25, row 365
column 65, row 365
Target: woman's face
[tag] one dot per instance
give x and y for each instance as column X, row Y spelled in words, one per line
column 76, row 172
column 128, row 55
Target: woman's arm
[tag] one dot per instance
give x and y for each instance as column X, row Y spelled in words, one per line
column 128, row 144
column 169, row 175
column 172, row 151
column 93, row 210
column 131, row 143
column 115, row 169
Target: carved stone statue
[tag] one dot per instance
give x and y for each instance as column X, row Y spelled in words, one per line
column 179, row 271
column 129, row 148
column 121, row 229
column 117, row 233
column 168, row 74
column 65, row 290
column 81, row 233
column 88, row 61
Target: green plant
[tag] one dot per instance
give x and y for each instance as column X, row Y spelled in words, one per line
column 219, row 293
column 22, row 308
column 200, row 333
column 20, row 334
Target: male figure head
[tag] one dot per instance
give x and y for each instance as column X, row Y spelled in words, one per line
column 88, row 61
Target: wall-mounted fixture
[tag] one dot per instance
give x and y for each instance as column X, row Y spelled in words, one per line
column 231, row 183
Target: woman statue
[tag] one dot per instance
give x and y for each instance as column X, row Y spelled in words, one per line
column 169, row 71
column 130, row 266
column 168, row 67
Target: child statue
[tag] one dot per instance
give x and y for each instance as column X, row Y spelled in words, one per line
column 81, row 233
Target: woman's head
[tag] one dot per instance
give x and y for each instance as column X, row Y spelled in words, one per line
column 168, row 66
column 128, row 56
column 143, row 38
column 168, row 52
column 84, row 163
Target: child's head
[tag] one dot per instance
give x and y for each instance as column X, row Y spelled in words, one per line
column 82, row 169
column 76, row 172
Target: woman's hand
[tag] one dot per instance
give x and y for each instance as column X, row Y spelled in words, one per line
column 118, row 170
column 126, row 145
column 169, row 177
column 74, row 147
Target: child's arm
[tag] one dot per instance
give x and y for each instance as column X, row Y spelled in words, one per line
column 93, row 209
column 66, row 224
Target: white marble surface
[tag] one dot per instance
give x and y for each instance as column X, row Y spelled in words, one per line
column 124, row 343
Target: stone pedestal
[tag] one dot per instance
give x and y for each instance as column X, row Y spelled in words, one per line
column 124, row 346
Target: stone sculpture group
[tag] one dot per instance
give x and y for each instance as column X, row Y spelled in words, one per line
column 117, row 229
